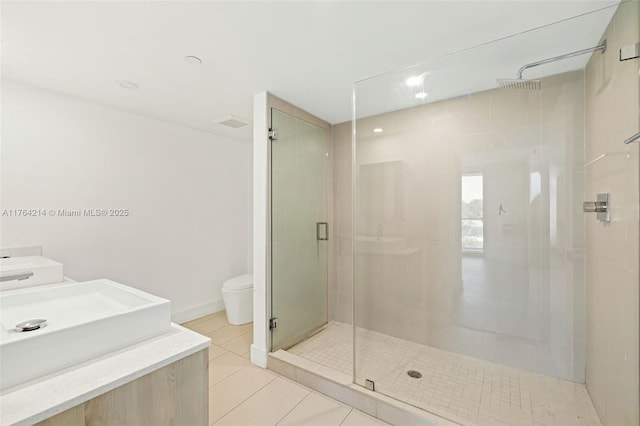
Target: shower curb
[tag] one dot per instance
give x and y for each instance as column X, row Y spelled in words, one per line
column 341, row 387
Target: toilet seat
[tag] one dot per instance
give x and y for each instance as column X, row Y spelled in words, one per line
column 237, row 295
column 241, row 282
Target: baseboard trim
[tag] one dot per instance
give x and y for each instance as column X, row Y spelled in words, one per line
column 197, row 311
column 258, row 356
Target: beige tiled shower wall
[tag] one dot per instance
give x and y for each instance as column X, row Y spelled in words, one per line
column 612, row 105
column 527, row 308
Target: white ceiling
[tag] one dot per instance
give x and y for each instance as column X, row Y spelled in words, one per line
column 309, row 53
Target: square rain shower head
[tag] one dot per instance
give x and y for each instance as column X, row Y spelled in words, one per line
column 519, row 84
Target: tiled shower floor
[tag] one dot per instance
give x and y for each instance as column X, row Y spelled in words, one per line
column 474, row 390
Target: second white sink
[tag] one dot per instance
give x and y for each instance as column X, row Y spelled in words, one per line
column 15, row 272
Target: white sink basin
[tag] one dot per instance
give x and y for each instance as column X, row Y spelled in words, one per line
column 45, row 271
column 84, row 321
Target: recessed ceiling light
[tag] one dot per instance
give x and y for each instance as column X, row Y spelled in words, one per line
column 377, row 130
column 420, row 95
column 414, row 81
column 127, row 84
column 193, row 60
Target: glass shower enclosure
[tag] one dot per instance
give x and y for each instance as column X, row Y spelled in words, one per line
column 469, row 238
column 465, row 278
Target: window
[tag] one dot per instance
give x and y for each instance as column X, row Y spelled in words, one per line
column 471, row 213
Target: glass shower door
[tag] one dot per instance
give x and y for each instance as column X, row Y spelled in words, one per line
column 299, row 228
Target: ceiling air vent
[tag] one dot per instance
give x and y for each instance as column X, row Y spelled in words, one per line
column 233, row 121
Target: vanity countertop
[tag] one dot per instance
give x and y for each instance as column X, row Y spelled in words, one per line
column 49, row 395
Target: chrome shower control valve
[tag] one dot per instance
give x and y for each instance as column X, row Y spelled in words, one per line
column 600, row 206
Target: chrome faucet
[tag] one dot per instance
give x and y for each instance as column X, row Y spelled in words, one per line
column 16, row 276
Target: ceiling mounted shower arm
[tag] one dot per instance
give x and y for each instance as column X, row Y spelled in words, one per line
column 602, row 47
column 632, row 138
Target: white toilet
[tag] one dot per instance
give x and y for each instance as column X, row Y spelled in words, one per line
column 237, row 294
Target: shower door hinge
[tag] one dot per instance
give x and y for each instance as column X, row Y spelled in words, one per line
column 273, row 134
column 272, row 323
column 370, row 385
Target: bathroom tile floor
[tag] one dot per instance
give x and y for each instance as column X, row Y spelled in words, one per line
column 483, row 392
column 243, row 394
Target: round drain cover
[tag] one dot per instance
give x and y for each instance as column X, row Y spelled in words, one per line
column 414, row 374
column 31, row 325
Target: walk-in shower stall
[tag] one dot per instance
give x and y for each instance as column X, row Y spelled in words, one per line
column 465, row 277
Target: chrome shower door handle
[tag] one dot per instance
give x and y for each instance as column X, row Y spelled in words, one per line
column 322, row 231
column 600, row 206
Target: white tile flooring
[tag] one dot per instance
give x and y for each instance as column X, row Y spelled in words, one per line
column 243, row 394
column 478, row 391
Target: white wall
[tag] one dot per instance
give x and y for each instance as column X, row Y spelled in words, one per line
column 187, row 192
